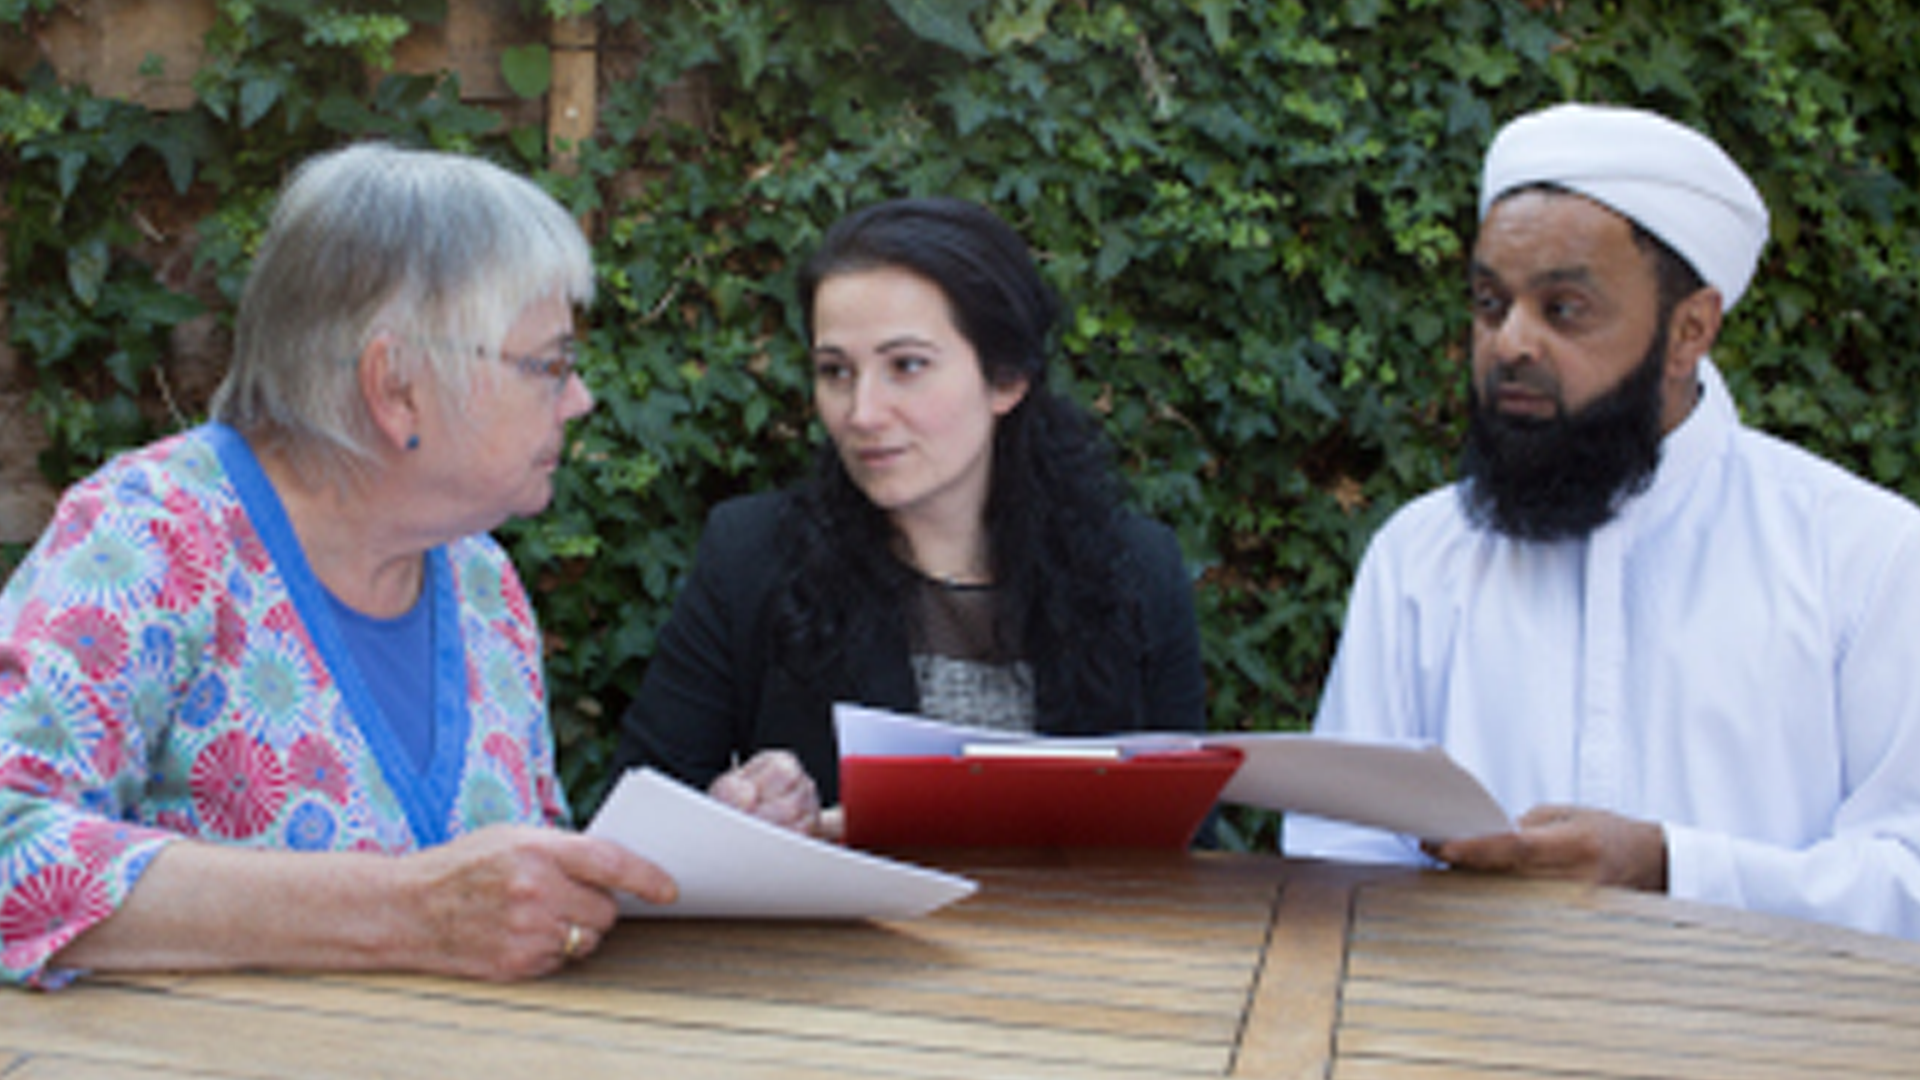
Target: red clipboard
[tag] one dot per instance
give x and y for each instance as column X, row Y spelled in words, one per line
column 1154, row 799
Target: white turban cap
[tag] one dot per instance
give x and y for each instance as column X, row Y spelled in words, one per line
column 1675, row 182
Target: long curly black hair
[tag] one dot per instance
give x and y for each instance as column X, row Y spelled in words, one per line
column 1062, row 601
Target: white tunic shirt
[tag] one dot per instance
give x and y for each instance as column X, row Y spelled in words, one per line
column 1736, row 656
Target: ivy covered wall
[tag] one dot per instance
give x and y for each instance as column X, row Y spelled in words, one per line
column 1257, row 211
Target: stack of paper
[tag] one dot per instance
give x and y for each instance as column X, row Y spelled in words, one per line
column 905, row 778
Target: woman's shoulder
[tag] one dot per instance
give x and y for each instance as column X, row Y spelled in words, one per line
column 169, row 491
column 748, row 526
column 761, row 511
column 747, row 541
column 1146, row 537
column 186, row 462
column 1147, row 553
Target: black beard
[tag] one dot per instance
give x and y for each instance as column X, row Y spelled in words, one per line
column 1565, row 476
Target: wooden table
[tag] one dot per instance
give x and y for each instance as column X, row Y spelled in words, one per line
column 1072, row 966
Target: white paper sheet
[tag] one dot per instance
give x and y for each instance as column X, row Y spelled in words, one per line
column 733, row 865
column 1414, row 789
column 1401, row 787
column 859, row 730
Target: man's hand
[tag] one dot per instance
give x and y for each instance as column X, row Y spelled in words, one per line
column 772, row 786
column 1571, row 843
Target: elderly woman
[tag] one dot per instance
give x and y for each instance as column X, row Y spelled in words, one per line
column 961, row 549
column 269, row 696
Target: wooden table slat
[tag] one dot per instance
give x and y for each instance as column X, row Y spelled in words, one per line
column 1624, row 1059
column 688, row 971
column 1451, row 904
column 1575, row 1033
column 1042, row 947
column 1764, row 989
column 64, row 1067
column 1369, row 1068
column 955, row 946
column 1295, row 1000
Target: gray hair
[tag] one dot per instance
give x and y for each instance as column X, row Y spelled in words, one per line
column 443, row 251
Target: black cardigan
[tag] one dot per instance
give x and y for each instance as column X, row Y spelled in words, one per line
column 712, row 694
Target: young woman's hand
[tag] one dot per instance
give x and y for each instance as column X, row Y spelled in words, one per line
column 773, row 786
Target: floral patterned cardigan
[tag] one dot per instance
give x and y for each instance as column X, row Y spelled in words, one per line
column 169, row 667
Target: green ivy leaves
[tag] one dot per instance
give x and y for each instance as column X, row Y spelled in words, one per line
column 945, row 22
column 528, row 69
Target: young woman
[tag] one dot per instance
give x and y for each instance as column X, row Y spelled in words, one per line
column 960, row 550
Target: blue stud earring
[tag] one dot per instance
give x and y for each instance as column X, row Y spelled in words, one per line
column 413, row 442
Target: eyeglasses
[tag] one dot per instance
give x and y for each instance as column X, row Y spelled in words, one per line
column 559, row 367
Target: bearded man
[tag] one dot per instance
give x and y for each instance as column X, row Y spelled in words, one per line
column 1684, row 653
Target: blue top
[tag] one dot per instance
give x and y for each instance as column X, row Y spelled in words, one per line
column 395, row 658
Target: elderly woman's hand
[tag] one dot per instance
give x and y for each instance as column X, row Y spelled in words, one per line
column 772, row 786
column 513, row 901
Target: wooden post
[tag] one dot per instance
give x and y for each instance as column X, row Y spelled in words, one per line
column 572, row 110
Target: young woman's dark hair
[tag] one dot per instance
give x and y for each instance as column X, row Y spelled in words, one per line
column 1062, row 599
